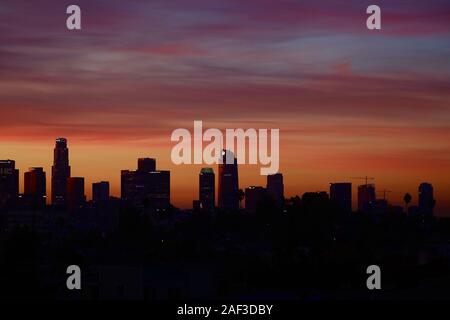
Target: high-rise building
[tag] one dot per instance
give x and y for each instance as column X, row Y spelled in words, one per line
column 341, row 194
column 207, row 189
column 366, row 197
column 60, row 172
column 253, row 197
column 75, row 193
column 146, row 188
column 159, row 189
column 228, row 182
column 146, row 164
column 426, row 199
column 9, row 183
column 132, row 186
column 35, row 187
column 100, row 191
column 275, row 188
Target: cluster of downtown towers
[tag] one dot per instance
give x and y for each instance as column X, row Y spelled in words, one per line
column 149, row 187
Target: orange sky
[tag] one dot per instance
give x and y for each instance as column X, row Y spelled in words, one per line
column 309, row 162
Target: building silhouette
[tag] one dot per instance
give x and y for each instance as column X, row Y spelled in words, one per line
column 228, row 182
column 275, row 188
column 60, row 172
column 35, row 187
column 254, row 195
column 100, row 191
column 341, row 194
column 75, row 193
column 146, row 164
column 158, row 189
column 146, row 188
column 426, row 199
column 380, row 207
column 9, row 183
column 132, row 186
column 207, row 189
column 366, row 197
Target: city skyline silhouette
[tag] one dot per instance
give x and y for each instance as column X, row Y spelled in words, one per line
column 62, row 158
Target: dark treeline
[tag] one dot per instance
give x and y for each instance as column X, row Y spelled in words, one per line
column 310, row 249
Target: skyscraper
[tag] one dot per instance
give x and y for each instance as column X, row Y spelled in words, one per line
column 341, row 194
column 158, row 189
column 60, row 172
column 132, row 186
column 100, row 191
column 146, row 188
column 426, row 199
column 275, row 188
column 75, row 193
column 228, row 182
column 207, row 189
column 35, row 187
column 146, row 164
column 366, row 197
column 9, row 183
column 253, row 197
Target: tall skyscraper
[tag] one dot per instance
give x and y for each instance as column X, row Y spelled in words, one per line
column 158, row 189
column 60, row 172
column 253, row 197
column 366, row 197
column 341, row 194
column 100, row 191
column 146, row 188
column 275, row 188
column 207, row 189
column 426, row 199
column 9, row 183
column 75, row 193
column 132, row 186
column 146, row 164
column 35, row 187
column 228, row 182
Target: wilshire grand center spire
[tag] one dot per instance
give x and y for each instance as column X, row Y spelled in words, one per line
column 60, row 172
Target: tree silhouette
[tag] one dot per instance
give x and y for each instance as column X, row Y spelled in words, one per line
column 407, row 199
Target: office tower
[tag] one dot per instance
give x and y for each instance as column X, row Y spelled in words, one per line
column 426, row 199
column 275, row 188
column 158, row 189
column 35, row 187
column 341, row 194
column 207, row 189
column 100, row 191
column 366, row 196
column 132, row 186
column 9, row 183
column 75, row 193
column 60, row 172
column 254, row 197
column 146, row 188
column 146, row 164
column 228, row 182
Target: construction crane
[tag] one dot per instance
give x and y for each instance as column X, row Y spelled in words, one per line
column 384, row 191
column 366, row 178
